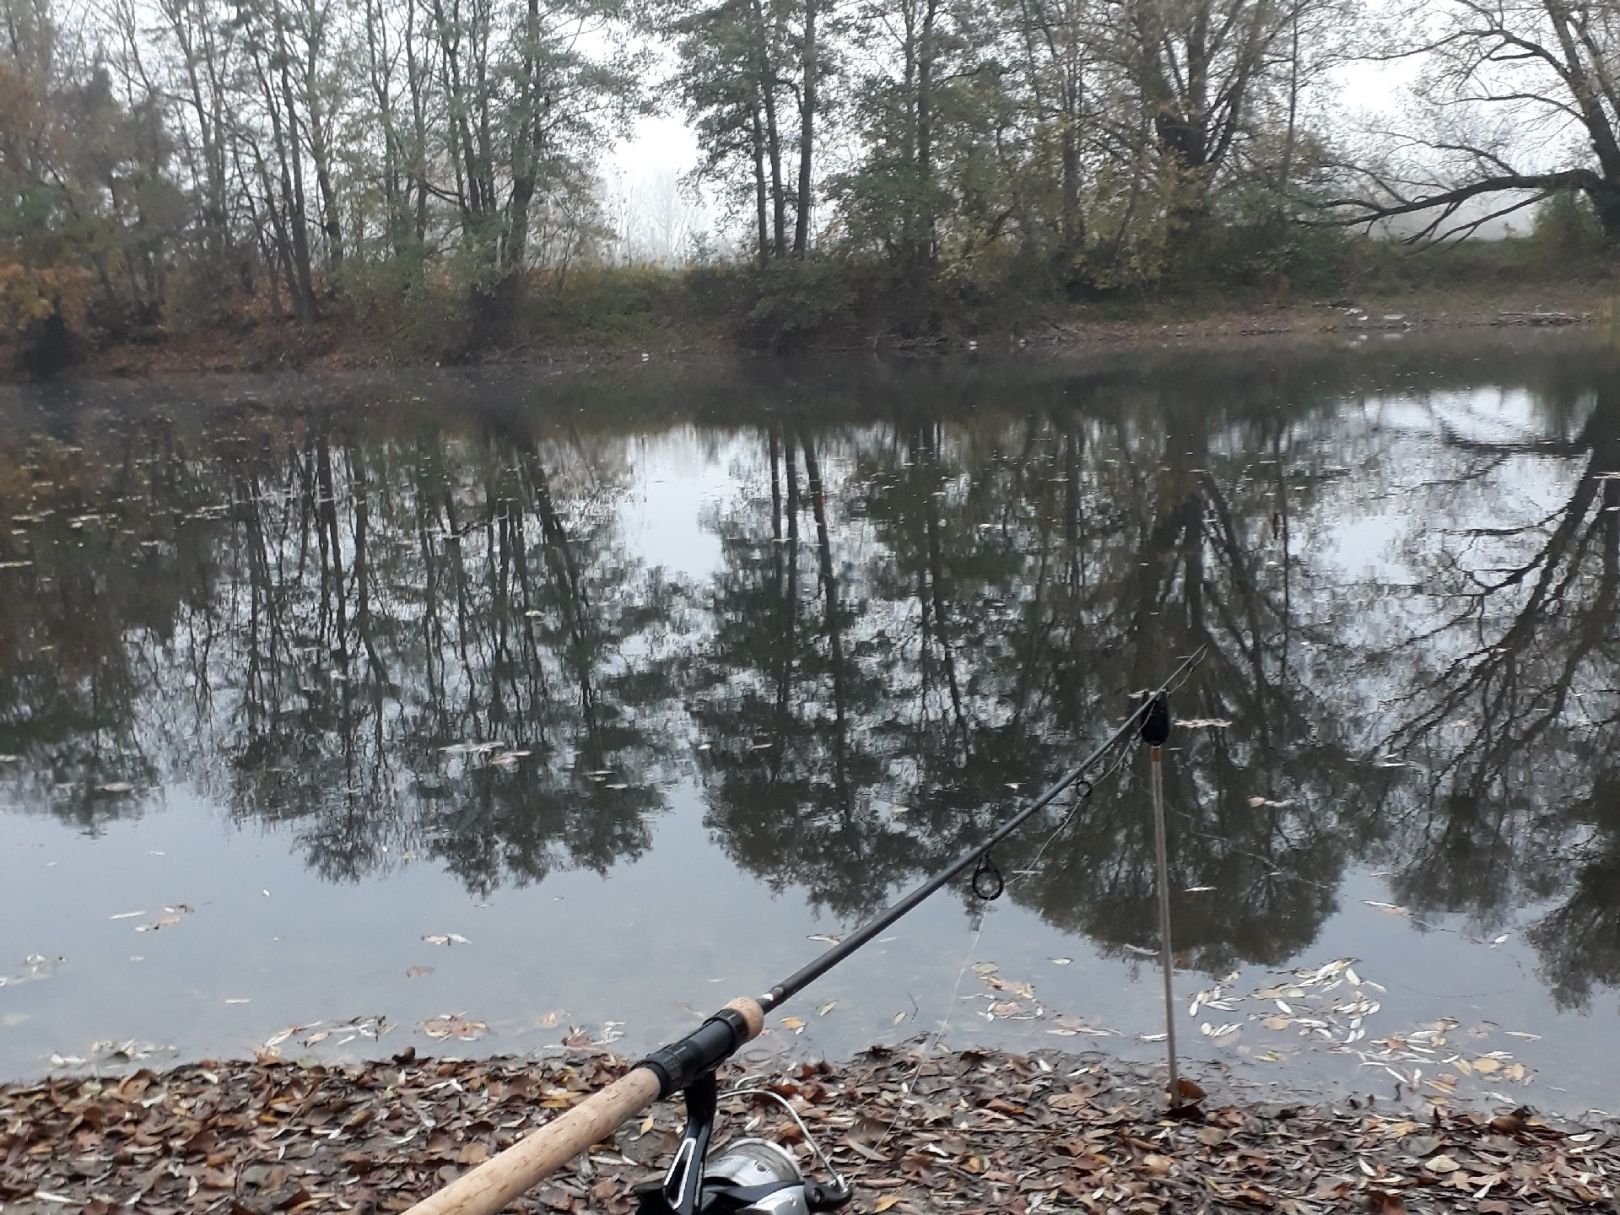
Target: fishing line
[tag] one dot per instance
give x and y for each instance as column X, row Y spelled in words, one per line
column 926, row 1052
column 1083, row 790
column 753, row 1091
column 687, row 1065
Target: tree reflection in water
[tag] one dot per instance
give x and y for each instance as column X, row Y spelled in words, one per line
column 423, row 630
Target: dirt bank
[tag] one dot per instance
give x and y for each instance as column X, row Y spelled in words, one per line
column 335, row 345
column 915, row 1133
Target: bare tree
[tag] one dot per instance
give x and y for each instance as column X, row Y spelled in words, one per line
column 1519, row 101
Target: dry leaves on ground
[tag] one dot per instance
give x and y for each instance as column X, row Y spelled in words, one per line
column 958, row 1132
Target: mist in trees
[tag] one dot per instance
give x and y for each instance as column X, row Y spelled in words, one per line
column 433, row 169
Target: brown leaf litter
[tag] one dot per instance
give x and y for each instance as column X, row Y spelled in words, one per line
column 969, row 1131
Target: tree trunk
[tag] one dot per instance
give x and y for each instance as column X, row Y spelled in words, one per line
column 1074, row 232
column 761, row 205
column 924, row 253
column 320, row 148
column 773, row 135
column 292, row 180
column 801, row 228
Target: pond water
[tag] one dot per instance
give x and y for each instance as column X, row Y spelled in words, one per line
column 338, row 715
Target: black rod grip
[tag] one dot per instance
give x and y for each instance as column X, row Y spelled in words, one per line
column 681, row 1062
column 1156, row 721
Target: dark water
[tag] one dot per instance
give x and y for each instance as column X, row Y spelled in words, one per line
column 638, row 681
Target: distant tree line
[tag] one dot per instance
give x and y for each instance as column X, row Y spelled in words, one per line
column 170, row 162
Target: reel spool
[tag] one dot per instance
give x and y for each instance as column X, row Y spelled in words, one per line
column 751, row 1177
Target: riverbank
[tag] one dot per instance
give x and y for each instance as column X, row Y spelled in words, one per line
column 914, row 1133
column 677, row 333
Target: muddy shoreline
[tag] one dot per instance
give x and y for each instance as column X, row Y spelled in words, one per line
column 334, row 346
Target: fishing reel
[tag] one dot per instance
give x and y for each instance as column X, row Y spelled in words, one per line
column 751, row 1177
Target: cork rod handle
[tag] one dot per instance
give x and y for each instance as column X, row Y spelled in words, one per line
column 500, row 1179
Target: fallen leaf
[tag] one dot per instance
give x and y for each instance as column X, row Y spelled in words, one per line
column 454, row 1025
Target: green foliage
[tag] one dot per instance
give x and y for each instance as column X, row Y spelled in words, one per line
column 1392, row 267
column 410, row 308
column 1567, row 227
column 800, row 303
column 605, row 305
column 1256, row 244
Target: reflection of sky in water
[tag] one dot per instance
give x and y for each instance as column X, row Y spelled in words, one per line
column 677, row 475
column 668, row 935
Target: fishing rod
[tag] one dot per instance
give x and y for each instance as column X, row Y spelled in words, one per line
column 756, row 1176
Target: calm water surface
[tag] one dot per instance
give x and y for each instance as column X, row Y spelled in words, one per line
column 577, row 706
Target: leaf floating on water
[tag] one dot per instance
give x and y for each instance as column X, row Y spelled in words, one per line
column 985, row 968
column 454, row 1025
column 995, row 982
column 237, row 1000
column 793, row 1023
column 826, row 1008
column 899, row 1017
column 272, row 1044
column 823, row 938
column 1060, row 961
column 1386, row 908
column 446, row 938
column 470, row 748
column 126, row 915
column 1501, row 939
column 169, row 918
